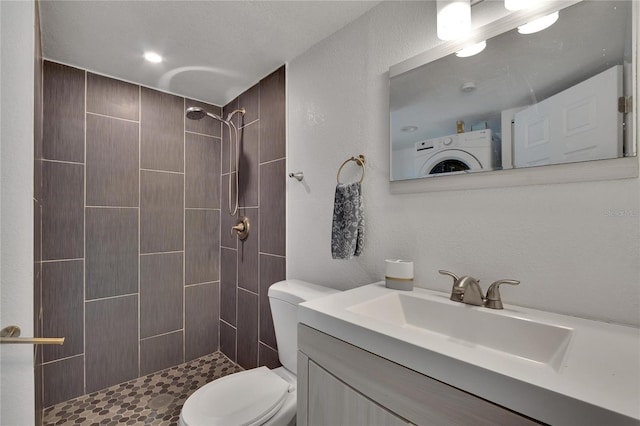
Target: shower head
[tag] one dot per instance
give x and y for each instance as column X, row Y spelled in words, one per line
column 197, row 113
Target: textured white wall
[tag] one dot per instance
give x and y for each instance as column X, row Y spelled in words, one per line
column 16, row 215
column 575, row 247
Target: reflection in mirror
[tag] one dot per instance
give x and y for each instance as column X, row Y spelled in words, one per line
column 525, row 100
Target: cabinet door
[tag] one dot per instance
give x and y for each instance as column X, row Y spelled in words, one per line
column 417, row 398
column 331, row 402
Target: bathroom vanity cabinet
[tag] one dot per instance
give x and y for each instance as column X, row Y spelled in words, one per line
column 341, row 384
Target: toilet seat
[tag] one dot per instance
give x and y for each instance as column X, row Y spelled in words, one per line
column 248, row 398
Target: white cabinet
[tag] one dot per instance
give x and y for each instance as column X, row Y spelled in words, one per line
column 341, row 384
column 331, row 402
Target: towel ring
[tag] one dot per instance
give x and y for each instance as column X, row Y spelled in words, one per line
column 360, row 160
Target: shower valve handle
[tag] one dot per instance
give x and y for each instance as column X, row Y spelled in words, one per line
column 241, row 228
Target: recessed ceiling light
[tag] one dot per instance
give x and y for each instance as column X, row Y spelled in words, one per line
column 539, row 24
column 474, row 49
column 153, row 57
column 409, row 129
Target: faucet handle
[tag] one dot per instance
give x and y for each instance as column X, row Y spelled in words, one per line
column 456, row 291
column 494, row 300
column 451, row 274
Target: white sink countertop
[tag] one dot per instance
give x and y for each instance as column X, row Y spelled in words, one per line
column 554, row 368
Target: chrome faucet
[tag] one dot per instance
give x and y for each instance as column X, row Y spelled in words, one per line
column 467, row 290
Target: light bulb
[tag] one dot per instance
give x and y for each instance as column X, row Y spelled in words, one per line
column 474, row 49
column 454, row 18
column 539, row 24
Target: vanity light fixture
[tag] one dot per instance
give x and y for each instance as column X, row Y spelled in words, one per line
column 153, row 57
column 471, row 50
column 454, row 18
column 539, row 24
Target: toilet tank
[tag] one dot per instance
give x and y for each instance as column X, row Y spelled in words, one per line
column 284, row 297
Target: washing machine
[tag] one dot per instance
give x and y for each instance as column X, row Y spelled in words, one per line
column 459, row 153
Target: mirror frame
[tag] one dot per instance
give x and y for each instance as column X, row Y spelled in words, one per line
column 587, row 171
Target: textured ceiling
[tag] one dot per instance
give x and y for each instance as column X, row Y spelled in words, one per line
column 213, row 50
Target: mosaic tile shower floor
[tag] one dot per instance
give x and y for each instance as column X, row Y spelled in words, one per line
column 155, row 399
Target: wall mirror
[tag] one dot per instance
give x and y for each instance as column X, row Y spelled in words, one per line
column 527, row 100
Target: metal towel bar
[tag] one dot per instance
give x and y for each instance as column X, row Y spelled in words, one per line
column 11, row 335
column 360, row 160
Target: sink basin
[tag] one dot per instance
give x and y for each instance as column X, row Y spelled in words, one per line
column 471, row 326
column 556, row 368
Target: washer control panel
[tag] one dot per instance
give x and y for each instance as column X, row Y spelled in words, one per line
column 478, row 138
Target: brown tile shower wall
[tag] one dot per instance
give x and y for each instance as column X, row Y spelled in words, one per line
column 130, row 232
column 249, row 267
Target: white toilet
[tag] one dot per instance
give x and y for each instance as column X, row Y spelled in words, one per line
column 259, row 396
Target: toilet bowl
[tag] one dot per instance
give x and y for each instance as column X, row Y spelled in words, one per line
column 254, row 397
column 259, row 396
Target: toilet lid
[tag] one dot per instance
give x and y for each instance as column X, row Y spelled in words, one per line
column 247, row 398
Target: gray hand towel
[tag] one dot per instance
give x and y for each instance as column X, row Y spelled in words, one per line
column 347, row 232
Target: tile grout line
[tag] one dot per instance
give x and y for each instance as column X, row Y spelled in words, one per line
column 272, row 255
column 62, row 260
column 66, row 358
column 46, row 160
column 268, row 346
column 254, row 121
column 161, row 335
column 184, row 231
column 84, row 242
column 248, row 291
column 139, row 227
column 114, row 117
column 202, row 134
column 219, row 183
column 227, row 323
column 160, row 252
column 259, row 124
column 273, row 161
column 203, row 283
column 161, row 171
column 236, row 147
column 110, row 207
column 118, row 296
